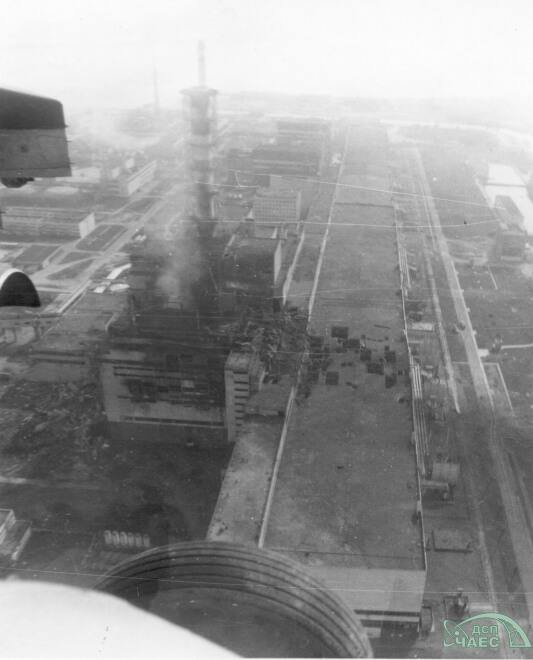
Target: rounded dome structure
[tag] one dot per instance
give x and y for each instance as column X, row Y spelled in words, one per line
column 253, row 602
column 17, row 290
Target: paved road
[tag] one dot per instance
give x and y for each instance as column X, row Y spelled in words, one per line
column 514, row 510
column 422, row 203
column 170, row 205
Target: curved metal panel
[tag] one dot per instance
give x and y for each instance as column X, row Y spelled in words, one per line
column 17, row 290
column 254, row 602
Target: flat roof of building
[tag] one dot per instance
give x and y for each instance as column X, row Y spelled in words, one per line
column 504, row 174
column 252, row 246
column 66, row 215
column 232, row 210
column 246, row 484
column 346, row 492
column 239, row 361
column 271, row 398
column 301, row 119
column 381, row 590
column 509, row 205
column 278, row 193
column 341, row 494
column 367, row 190
column 267, row 229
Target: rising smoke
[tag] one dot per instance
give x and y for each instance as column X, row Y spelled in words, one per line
column 181, row 261
column 103, row 130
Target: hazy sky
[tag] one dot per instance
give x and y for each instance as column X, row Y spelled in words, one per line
column 103, row 52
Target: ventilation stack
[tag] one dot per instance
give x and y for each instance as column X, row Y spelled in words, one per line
column 199, row 105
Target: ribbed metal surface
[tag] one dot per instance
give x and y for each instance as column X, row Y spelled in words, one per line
column 254, row 602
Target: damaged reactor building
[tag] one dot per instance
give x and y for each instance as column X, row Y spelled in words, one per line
column 204, row 324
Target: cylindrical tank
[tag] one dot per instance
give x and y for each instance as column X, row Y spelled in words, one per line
column 253, row 602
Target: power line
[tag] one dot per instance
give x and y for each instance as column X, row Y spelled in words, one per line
column 380, row 190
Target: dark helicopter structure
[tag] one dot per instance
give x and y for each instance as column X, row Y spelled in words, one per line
column 33, row 144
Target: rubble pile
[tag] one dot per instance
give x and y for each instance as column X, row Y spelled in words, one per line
column 316, row 362
column 294, row 342
column 59, row 435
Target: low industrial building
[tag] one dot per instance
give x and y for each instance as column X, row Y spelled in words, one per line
column 258, row 263
column 277, row 206
column 309, row 131
column 251, row 266
column 117, row 174
column 67, row 351
column 232, row 209
column 126, row 178
column 327, row 474
column 286, row 159
column 39, row 223
column 510, row 240
column 20, row 305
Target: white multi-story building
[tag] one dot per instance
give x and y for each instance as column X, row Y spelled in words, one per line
column 125, row 183
column 47, row 223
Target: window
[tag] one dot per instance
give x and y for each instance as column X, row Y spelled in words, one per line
column 339, row 331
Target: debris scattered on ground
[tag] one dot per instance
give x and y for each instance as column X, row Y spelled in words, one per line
column 59, row 429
